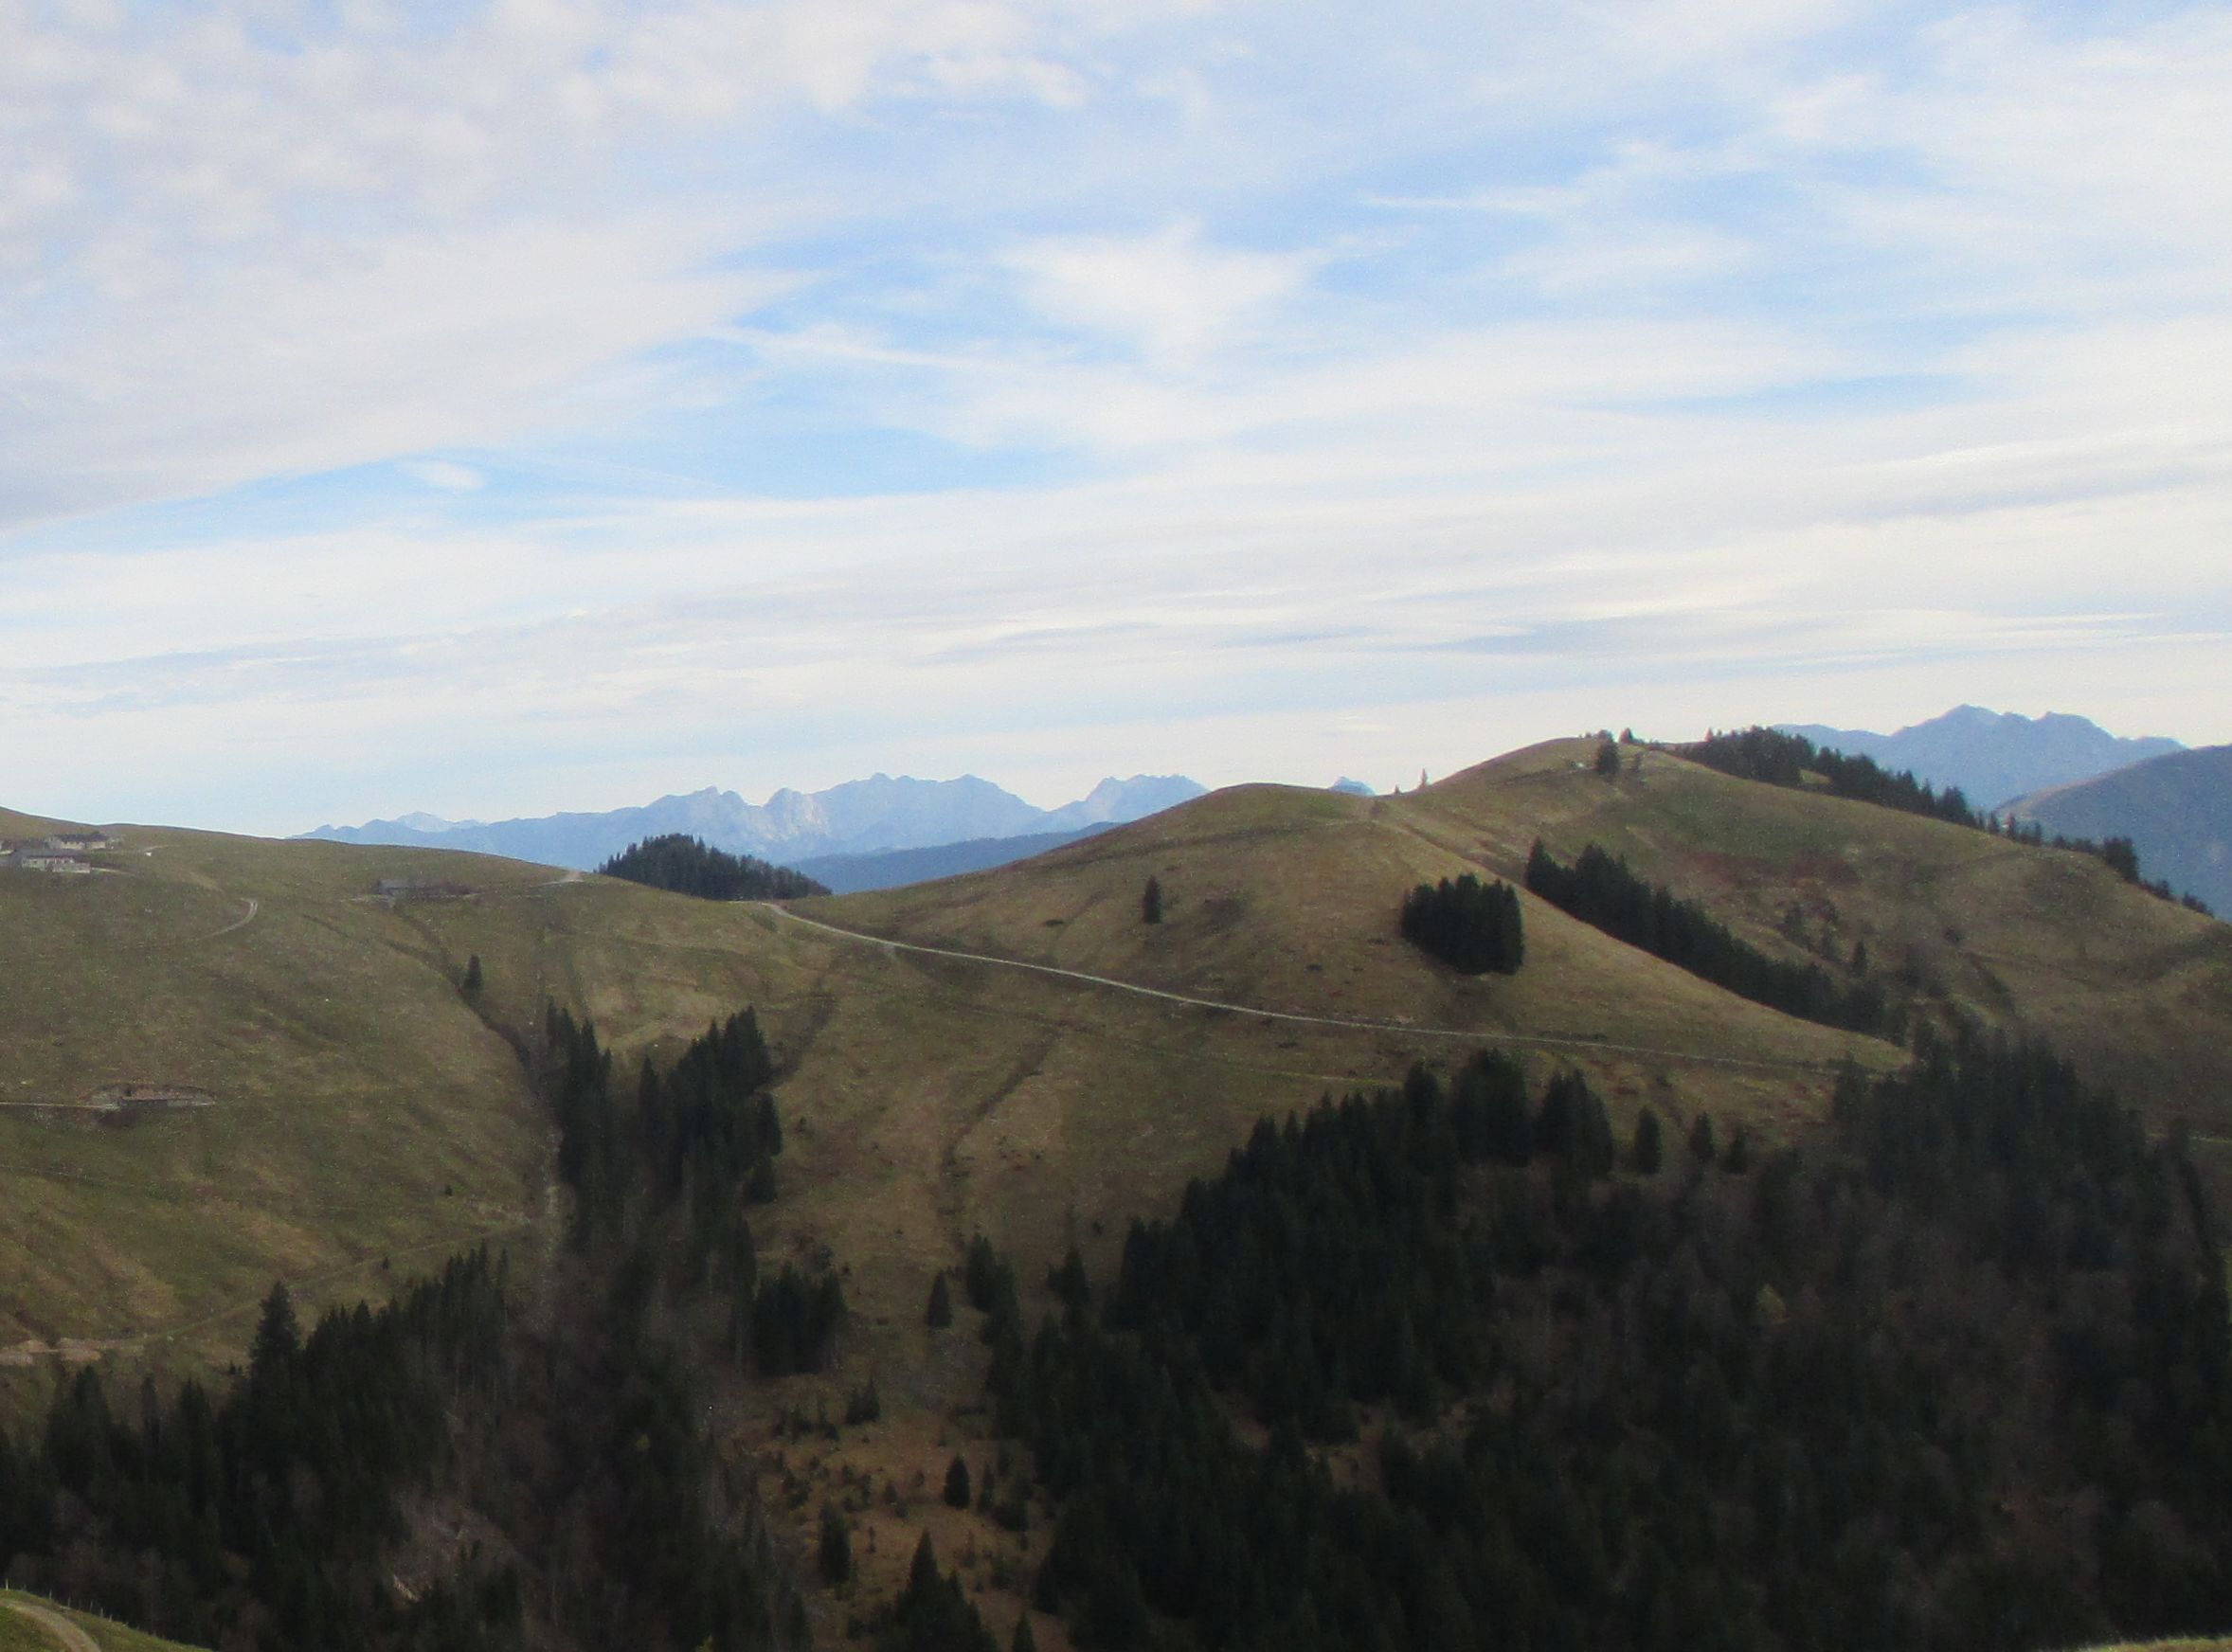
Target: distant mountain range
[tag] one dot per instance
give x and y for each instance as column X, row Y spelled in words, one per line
column 858, row 817
column 2176, row 809
column 1993, row 756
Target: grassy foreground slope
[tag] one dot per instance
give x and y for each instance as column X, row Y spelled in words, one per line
column 1283, row 898
column 365, row 1112
column 361, row 1109
column 31, row 1624
column 2135, row 989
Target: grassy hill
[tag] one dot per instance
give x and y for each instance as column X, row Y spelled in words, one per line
column 361, row 1110
column 2137, row 991
column 367, row 1118
column 367, row 1113
column 30, row 1624
column 1280, row 897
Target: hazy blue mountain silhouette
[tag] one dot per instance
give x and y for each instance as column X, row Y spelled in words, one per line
column 1993, row 756
column 883, row 812
column 2176, row 810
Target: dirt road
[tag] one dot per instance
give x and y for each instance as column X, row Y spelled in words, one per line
column 1476, row 1035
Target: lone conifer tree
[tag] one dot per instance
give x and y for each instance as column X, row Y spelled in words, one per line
column 472, row 979
column 1737, row 1157
column 1646, row 1153
column 1151, row 901
column 836, row 1547
column 957, row 1484
column 941, row 1310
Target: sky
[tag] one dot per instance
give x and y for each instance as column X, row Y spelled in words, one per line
column 491, row 409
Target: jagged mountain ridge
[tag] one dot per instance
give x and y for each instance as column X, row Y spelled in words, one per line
column 1993, row 756
column 876, row 814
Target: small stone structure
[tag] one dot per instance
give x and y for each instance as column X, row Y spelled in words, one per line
column 57, row 852
column 47, row 860
column 79, row 842
column 148, row 1098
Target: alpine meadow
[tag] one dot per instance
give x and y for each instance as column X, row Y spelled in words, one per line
column 1115, row 826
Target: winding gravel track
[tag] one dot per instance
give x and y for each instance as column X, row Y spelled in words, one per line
column 240, row 923
column 1476, row 1035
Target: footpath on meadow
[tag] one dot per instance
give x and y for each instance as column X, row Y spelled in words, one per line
column 65, row 1635
column 1352, row 1022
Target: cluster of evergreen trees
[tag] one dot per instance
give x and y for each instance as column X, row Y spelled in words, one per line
column 1599, row 889
column 1471, row 927
column 1779, row 759
column 1955, row 1378
column 268, row 1516
column 664, row 1178
column 1313, row 1294
column 265, row 1517
column 1784, row 760
column 258, row 1515
column 688, row 865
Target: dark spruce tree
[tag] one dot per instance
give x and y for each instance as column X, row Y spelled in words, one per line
column 834, row 1552
column 1647, row 1150
column 1471, row 927
column 933, row 1614
column 1151, row 901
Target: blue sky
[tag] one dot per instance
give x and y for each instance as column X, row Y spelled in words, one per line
column 493, row 409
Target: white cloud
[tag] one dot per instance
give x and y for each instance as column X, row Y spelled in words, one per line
column 286, row 368
column 1781, row 354
column 1166, row 295
column 447, row 476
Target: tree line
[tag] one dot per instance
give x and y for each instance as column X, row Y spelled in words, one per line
column 664, row 1178
column 1953, row 1376
column 1471, row 927
column 257, row 1515
column 1601, row 890
column 689, row 866
column 266, row 1514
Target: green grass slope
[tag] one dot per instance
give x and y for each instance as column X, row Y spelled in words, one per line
column 367, row 1113
column 2135, row 990
column 367, row 1118
column 1285, row 899
column 362, row 1111
column 29, row 1623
